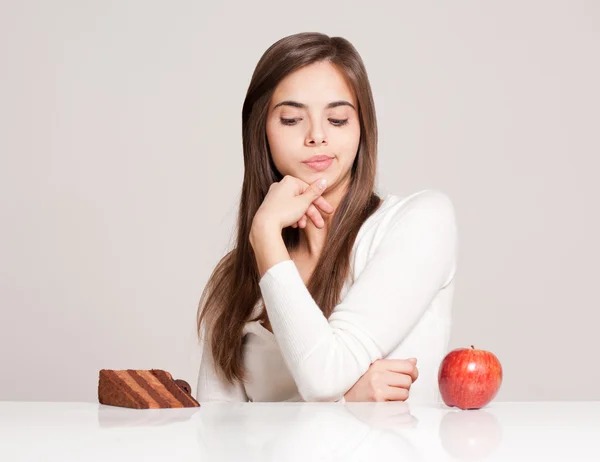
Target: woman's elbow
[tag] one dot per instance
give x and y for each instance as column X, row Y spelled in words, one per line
column 318, row 391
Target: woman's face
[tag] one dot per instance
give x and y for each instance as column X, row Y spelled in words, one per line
column 302, row 123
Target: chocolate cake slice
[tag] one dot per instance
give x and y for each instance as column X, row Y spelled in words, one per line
column 143, row 389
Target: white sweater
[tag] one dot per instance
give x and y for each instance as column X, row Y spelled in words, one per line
column 399, row 306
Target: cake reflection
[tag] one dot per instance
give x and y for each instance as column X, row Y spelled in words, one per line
column 113, row 416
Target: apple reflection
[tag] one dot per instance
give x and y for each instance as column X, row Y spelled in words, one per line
column 470, row 434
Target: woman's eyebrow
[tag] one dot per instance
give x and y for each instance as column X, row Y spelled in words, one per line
column 304, row 106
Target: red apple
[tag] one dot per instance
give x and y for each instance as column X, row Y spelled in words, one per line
column 469, row 378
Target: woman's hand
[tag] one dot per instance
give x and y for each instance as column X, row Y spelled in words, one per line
column 290, row 201
column 385, row 380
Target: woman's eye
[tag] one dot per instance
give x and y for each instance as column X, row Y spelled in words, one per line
column 335, row 122
column 338, row 122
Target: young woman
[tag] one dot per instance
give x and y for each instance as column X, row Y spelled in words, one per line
column 331, row 293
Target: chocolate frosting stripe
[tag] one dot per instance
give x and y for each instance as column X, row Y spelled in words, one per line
column 181, row 395
column 156, row 384
column 133, row 385
column 146, row 386
column 118, row 383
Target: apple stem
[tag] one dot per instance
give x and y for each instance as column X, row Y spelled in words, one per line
column 472, row 347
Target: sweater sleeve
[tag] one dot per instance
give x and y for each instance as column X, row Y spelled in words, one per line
column 211, row 387
column 414, row 260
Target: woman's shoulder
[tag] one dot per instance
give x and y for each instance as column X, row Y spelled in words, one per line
column 411, row 226
column 422, row 211
column 425, row 204
column 425, row 198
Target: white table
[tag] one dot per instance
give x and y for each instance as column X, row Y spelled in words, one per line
column 307, row 432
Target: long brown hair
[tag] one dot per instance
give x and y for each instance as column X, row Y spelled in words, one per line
column 232, row 290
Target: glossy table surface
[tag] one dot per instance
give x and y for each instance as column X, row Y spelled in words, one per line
column 398, row 431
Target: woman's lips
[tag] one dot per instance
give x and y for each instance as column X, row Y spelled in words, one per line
column 319, row 165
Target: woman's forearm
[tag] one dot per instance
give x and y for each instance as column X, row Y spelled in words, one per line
column 269, row 248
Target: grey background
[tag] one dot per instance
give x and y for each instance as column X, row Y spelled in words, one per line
column 121, row 168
